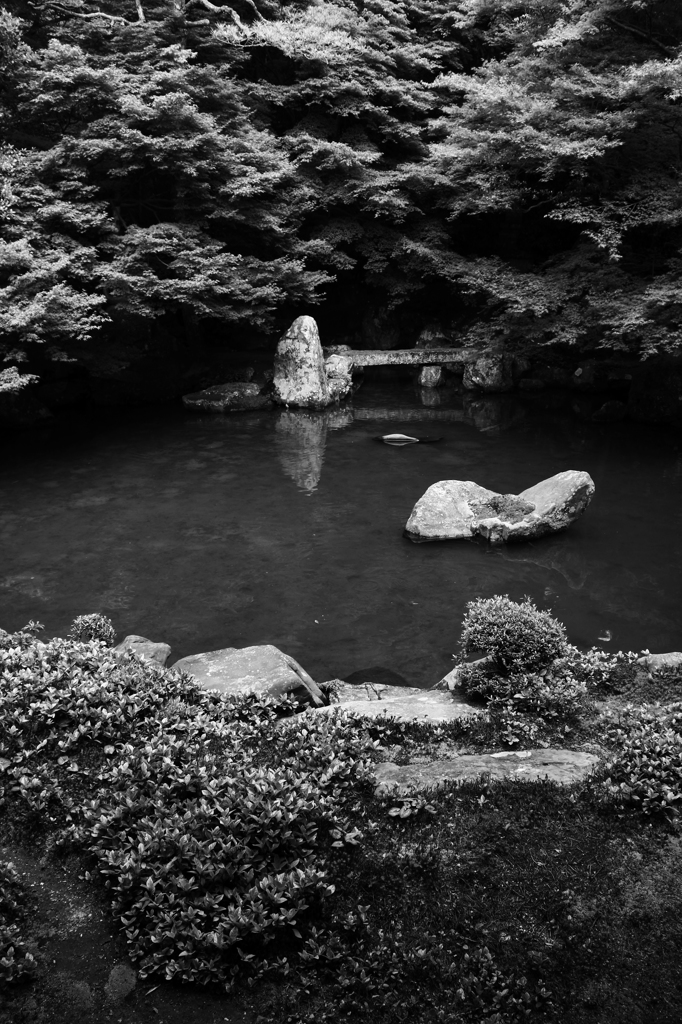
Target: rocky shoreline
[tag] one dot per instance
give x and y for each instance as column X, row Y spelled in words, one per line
column 302, row 373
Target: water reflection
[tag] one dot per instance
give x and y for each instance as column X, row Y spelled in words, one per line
column 300, row 441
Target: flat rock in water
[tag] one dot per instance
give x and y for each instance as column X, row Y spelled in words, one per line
column 563, row 766
column 146, row 649
column 405, row 703
column 263, row 669
column 460, row 509
column 240, row 396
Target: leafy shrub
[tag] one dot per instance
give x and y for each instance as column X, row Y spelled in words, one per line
column 93, row 627
column 517, row 635
column 16, row 962
column 208, row 821
column 646, row 772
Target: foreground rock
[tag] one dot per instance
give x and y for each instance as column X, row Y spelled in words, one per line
column 264, row 669
column 460, row 509
column 240, row 396
column 146, row 649
column 562, row 766
column 299, row 374
column 656, row 662
column 405, row 703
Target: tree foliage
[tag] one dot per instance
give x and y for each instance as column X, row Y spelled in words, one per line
column 510, row 167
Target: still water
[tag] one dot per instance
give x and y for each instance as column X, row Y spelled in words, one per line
column 286, row 527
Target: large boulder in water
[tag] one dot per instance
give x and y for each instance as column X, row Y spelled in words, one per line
column 300, row 377
column 263, row 669
column 458, row 509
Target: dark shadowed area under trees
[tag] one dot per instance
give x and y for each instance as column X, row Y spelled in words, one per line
column 183, row 175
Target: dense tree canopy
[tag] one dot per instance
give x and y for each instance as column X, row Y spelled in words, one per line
column 507, row 168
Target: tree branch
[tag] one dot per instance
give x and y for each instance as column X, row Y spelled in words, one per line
column 53, row 5
column 668, row 51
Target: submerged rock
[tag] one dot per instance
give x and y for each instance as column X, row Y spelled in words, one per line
column 562, row 766
column 610, row 412
column 146, row 649
column 459, row 509
column 240, row 396
column 263, row 669
column 300, row 378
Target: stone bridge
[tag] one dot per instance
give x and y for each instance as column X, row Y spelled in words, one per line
column 403, row 357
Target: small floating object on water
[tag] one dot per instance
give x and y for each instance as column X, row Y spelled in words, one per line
column 400, row 439
column 606, row 636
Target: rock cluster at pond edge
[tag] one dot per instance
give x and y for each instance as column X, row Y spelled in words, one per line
column 262, row 669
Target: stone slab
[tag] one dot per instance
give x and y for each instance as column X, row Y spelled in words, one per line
column 654, row 662
column 405, row 703
column 408, row 356
column 261, row 669
column 561, row 766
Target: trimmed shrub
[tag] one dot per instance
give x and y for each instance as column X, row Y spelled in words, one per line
column 517, row 635
column 93, row 627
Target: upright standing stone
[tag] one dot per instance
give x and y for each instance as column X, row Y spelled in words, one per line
column 300, row 377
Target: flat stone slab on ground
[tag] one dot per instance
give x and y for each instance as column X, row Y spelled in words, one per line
column 654, row 662
column 262, row 669
column 562, row 766
column 406, row 703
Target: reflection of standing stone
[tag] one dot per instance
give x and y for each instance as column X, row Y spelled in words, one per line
column 429, row 397
column 300, row 441
column 300, row 378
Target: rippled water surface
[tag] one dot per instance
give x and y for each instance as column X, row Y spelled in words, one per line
column 286, row 528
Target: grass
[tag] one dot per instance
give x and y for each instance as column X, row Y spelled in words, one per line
column 245, row 858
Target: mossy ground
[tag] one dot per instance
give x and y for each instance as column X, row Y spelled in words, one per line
column 496, row 902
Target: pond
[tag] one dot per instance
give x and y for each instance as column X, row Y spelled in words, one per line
column 286, row 527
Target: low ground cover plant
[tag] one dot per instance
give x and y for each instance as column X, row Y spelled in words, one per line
column 237, row 842
column 17, row 962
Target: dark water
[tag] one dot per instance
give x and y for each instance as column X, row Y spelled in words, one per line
column 286, row 528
